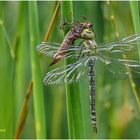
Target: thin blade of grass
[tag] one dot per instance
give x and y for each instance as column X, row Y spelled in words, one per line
column 40, row 123
column 22, row 61
column 134, row 5
column 136, row 20
column 52, row 21
column 73, row 96
column 23, row 113
column 6, row 83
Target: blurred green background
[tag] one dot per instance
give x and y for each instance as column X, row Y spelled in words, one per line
column 23, row 25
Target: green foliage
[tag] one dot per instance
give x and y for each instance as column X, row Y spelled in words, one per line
column 38, row 98
column 73, row 98
column 52, row 112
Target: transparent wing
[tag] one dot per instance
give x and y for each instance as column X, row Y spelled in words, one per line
column 127, row 41
column 67, row 74
column 121, row 57
column 50, row 49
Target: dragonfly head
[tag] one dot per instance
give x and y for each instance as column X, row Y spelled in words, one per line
column 87, row 31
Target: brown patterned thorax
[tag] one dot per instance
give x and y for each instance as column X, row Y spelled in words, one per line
column 74, row 33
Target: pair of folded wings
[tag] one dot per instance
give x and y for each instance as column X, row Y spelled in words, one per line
column 119, row 58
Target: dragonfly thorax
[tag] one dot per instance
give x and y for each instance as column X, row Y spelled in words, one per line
column 89, row 47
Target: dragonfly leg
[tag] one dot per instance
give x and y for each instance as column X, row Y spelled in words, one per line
column 64, row 23
column 84, row 18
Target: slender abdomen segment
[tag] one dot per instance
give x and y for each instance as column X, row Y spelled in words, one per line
column 92, row 94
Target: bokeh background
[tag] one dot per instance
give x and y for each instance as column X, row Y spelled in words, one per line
column 23, row 26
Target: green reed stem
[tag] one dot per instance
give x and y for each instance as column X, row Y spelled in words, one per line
column 52, row 22
column 73, row 99
column 6, row 83
column 20, row 44
column 40, row 123
column 136, row 20
column 134, row 5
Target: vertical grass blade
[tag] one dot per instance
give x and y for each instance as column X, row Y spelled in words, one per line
column 73, row 96
column 52, row 21
column 67, row 11
column 23, row 113
column 134, row 5
column 136, row 18
column 6, row 83
column 22, row 60
column 40, row 123
column 136, row 21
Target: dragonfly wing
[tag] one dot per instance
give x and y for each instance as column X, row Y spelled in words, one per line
column 120, row 68
column 121, row 57
column 49, row 49
column 128, row 44
column 67, row 74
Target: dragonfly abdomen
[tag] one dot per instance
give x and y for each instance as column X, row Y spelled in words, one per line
column 92, row 94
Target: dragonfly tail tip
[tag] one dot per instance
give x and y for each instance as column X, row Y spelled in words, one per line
column 53, row 62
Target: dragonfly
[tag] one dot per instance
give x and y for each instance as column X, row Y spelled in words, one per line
column 120, row 58
column 79, row 30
